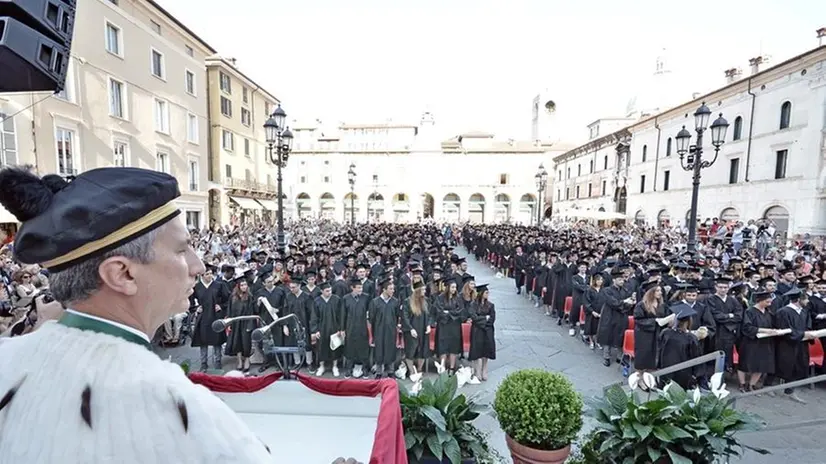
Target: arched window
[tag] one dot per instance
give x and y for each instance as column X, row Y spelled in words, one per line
column 644, row 153
column 668, row 147
column 738, row 128
column 785, row 115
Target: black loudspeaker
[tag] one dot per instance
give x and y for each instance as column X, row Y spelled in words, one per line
column 29, row 61
column 35, row 41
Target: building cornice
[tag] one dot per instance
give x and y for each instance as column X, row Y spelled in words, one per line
column 222, row 64
column 181, row 25
column 594, row 145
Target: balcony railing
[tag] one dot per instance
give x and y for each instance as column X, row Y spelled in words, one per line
column 249, row 185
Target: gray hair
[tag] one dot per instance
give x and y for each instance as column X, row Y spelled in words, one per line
column 81, row 281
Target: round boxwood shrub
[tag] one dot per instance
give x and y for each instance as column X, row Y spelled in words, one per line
column 539, row 409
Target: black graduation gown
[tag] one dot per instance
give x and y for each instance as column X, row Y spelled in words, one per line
column 594, row 301
column 539, row 279
column 419, row 347
column 384, row 317
column 703, row 318
column 675, row 347
column 341, row 288
column 239, row 340
column 449, row 317
column 356, row 341
column 326, row 320
column 482, row 336
column 791, row 352
column 275, row 298
column 613, row 320
column 756, row 354
column 563, row 287
column 728, row 315
column 368, row 289
column 646, row 336
column 520, row 269
column 579, row 285
column 208, row 297
column 302, row 306
column 816, row 307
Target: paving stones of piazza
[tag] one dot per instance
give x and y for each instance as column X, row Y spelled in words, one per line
column 527, row 338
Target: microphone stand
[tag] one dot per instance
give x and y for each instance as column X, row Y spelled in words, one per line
column 278, row 351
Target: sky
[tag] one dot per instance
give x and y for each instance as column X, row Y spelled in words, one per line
column 477, row 64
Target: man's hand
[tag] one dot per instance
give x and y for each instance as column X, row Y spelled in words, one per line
column 286, row 331
column 217, row 308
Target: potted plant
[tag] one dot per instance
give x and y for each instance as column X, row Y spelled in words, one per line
column 438, row 424
column 540, row 413
column 668, row 425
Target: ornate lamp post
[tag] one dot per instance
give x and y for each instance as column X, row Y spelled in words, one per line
column 694, row 161
column 541, row 184
column 351, row 178
column 279, row 144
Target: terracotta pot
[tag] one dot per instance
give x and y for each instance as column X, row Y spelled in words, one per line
column 432, row 460
column 521, row 454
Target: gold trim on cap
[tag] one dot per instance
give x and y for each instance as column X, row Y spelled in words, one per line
column 133, row 228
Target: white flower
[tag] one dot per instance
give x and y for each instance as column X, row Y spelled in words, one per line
column 645, row 380
column 416, row 388
column 463, row 375
column 634, row 380
column 718, row 386
column 440, row 367
column 697, row 395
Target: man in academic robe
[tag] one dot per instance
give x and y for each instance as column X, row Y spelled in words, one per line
column 817, row 305
column 356, row 340
column 340, row 285
column 792, row 350
column 211, row 299
column 728, row 316
column 614, row 317
column 118, row 255
column 383, row 313
column 299, row 303
column 325, row 322
column 521, row 267
column 269, row 301
column 579, row 285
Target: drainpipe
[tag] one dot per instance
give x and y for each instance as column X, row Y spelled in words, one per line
column 657, row 151
column 751, row 130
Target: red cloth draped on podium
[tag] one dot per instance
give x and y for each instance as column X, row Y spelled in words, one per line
column 388, row 442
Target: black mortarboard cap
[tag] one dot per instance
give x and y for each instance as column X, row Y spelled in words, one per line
column 418, row 284
column 761, row 294
column 481, row 288
column 227, row 268
column 324, row 285
column 766, row 280
column 384, row 281
column 362, row 266
column 467, row 278
column 460, row 261
column 66, row 223
column 649, row 285
column 687, row 287
column 723, row 280
column 310, row 273
column 355, row 281
column 211, row 267
column 617, row 271
column 793, row 294
column 684, row 312
column 448, row 281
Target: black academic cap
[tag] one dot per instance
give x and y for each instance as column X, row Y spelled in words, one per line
column 301, row 261
column 66, row 223
column 806, row 279
column 616, row 272
column 418, row 284
column 467, row 278
column 649, row 285
column 685, row 312
column 582, row 263
column 324, row 285
column 310, row 273
column 793, row 294
column 481, row 288
column 436, row 268
column 722, row 280
column 654, row 272
column 820, row 282
column 227, row 268
column 651, row 262
column 766, row 280
column 761, row 294
column 460, row 260
column 384, row 281
column 355, row 281
column 211, row 268
column 448, row 281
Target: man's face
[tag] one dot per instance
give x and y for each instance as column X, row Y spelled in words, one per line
column 295, row 287
column 166, row 283
column 390, row 289
column 357, row 289
column 690, row 297
column 327, row 292
column 207, row 276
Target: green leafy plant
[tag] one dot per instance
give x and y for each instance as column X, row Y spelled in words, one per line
column 186, row 367
column 672, row 427
column 539, row 409
column 437, row 422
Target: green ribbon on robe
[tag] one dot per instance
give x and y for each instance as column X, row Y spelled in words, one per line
column 77, row 321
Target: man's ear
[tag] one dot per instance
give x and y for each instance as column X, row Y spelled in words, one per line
column 117, row 274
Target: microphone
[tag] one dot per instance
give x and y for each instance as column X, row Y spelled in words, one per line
column 220, row 325
column 259, row 333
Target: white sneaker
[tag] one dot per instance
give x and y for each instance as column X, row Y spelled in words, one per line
column 572, row 332
column 357, row 371
column 320, row 371
column 335, row 371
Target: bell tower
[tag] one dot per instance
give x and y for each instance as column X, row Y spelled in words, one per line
column 544, row 125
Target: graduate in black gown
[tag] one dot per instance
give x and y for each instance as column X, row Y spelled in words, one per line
column 702, row 318
column 757, row 357
column 212, row 297
column 269, row 301
column 239, row 342
column 792, row 350
column 482, row 335
column 356, row 342
column 299, row 303
column 579, row 286
column 325, row 322
column 383, row 312
column 677, row 345
column 594, row 301
column 650, row 315
column 416, row 327
column 448, row 313
column 728, row 316
column 613, row 320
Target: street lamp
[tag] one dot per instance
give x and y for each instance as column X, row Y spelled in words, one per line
column 351, row 178
column 541, row 184
column 694, row 161
column 279, row 144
